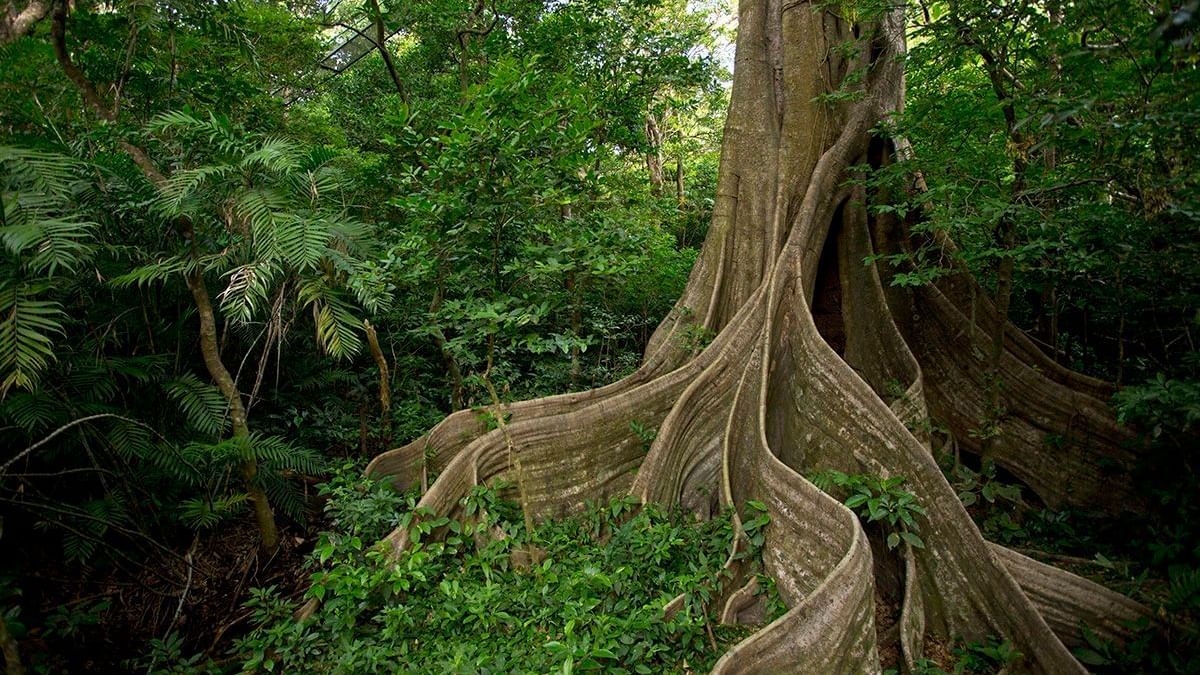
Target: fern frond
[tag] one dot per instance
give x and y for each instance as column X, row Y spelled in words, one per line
column 202, row 514
column 90, row 382
column 217, row 131
column 130, row 441
column 53, row 243
column 187, row 465
column 41, row 172
column 302, row 241
column 184, row 185
column 141, row 368
column 337, row 325
column 260, row 209
column 26, row 328
column 279, row 454
column 321, row 182
column 202, row 403
column 34, row 412
column 286, row 498
column 154, row 272
column 275, row 154
column 248, row 288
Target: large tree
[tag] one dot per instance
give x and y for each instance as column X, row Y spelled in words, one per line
column 816, row 362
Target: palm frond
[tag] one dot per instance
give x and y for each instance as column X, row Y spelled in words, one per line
column 249, row 286
column 336, row 324
column 154, row 272
column 185, row 185
column 53, row 243
column 303, row 241
column 276, row 154
column 40, row 172
column 201, row 403
column 27, row 325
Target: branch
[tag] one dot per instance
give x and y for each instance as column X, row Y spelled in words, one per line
column 16, row 27
column 58, row 36
column 381, row 43
column 68, row 425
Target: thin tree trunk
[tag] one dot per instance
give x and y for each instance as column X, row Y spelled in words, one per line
column 680, row 200
column 263, row 514
column 385, row 389
column 574, row 295
column 439, row 339
column 1004, row 285
column 994, row 413
column 8, row 647
column 381, row 43
column 654, row 157
column 14, row 24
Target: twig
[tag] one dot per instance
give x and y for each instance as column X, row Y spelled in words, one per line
column 68, row 425
column 187, row 586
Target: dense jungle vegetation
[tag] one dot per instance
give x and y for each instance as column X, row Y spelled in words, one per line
column 248, row 245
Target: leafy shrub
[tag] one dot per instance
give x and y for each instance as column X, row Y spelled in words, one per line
column 586, row 592
column 882, row 500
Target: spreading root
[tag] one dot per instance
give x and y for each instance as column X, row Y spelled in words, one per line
column 820, row 364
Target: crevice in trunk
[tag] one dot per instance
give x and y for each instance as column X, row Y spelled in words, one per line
column 827, row 291
column 888, row 569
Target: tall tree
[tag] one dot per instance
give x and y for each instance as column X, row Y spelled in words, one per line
column 801, row 351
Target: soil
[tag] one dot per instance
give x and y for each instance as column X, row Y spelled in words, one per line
column 101, row 620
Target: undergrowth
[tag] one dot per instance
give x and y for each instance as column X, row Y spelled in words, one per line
column 585, row 593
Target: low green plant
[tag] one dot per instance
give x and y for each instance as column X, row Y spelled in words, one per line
column 991, row 656
column 881, row 500
column 583, row 593
column 646, row 434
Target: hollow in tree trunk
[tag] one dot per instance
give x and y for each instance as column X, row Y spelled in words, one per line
column 819, row 363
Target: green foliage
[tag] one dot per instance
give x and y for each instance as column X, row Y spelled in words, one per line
column 42, row 238
column 279, row 207
column 974, row 487
column 879, row 500
column 644, row 433
column 1161, row 406
column 165, row 656
column 1078, row 134
column 494, row 596
column 992, row 656
column 201, row 402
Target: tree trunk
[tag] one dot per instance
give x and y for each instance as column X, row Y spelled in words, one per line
column 209, row 347
column 8, row 647
column 680, row 199
column 654, row 156
column 770, row 400
column 385, row 387
column 15, row 24
column 263, row 515
column 381, row 42
column 453, row 372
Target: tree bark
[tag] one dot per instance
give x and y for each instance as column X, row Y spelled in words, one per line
column 17, row 23
column 263, row 515
column 385, row 388
column 381, row 43
column 8, row 647
column 770, row 401
column 654, row 156
column 680, row 199
column 457, row 387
